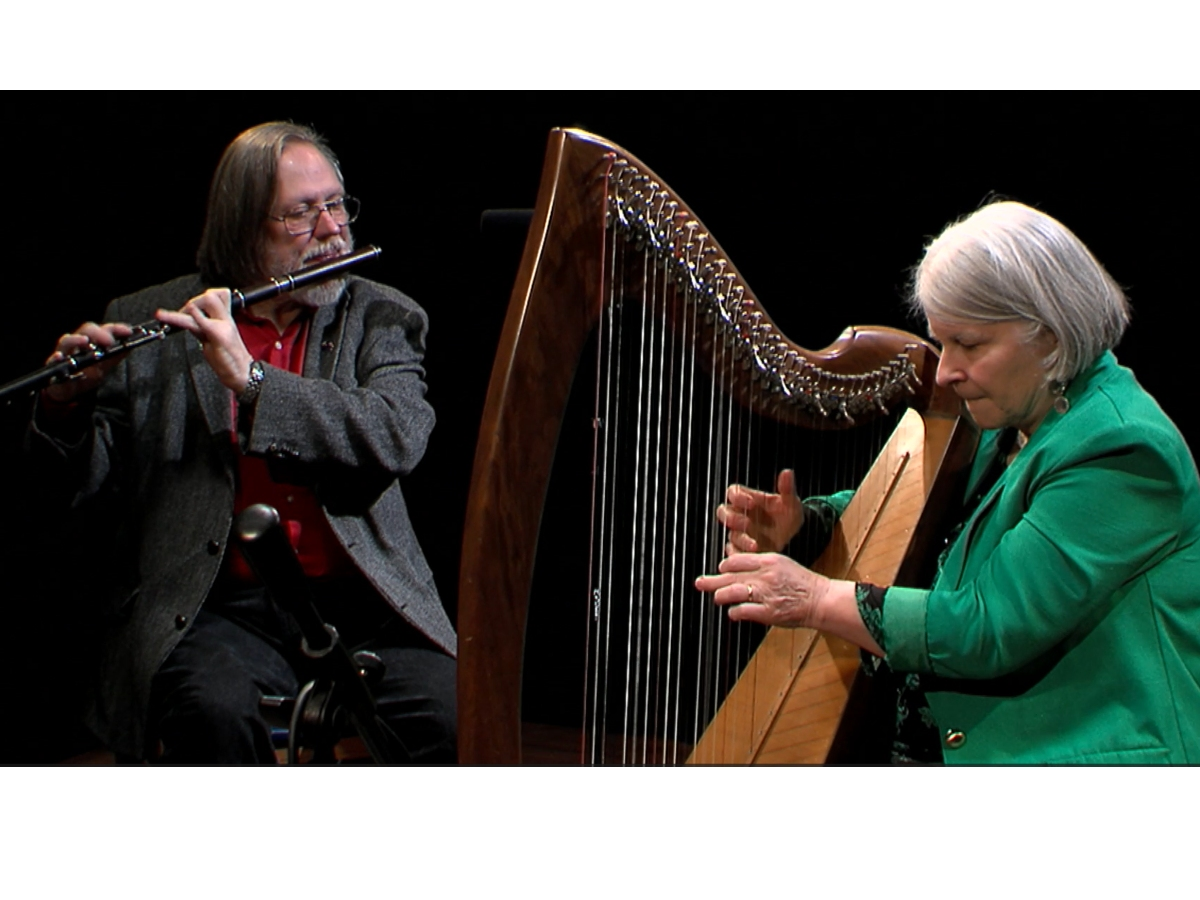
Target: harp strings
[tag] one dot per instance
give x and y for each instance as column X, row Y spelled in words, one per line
column 606, row 426
column 669, row 437
column 668, row 440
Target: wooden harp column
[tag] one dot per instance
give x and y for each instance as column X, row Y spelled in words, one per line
column 589, row 190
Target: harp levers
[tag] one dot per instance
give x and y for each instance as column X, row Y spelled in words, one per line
column 692, row 387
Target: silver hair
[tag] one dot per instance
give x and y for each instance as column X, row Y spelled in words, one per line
column 1008, row 262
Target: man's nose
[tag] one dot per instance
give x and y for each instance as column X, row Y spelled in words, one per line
column 326, row 226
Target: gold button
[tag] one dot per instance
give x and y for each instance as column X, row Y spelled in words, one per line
column 955, row 739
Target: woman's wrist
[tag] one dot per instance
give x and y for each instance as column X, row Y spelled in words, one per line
column 836, row 612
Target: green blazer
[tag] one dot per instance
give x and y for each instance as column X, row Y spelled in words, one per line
column 1064, row 623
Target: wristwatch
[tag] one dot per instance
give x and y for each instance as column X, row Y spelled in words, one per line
column 253, row 384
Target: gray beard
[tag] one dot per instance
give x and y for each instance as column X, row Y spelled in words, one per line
column 325, row 294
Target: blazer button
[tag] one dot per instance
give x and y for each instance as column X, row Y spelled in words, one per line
column 181, row 622
column 326, row 346
column 955, row 738
column 214, row 547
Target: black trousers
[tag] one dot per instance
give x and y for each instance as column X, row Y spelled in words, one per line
column 204, row 704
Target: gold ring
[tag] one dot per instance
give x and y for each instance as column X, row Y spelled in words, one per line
column 749, row 593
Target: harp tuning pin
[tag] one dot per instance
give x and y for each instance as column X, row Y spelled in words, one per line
column 758, row 360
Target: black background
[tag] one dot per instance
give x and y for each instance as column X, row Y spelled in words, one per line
column 823, row 201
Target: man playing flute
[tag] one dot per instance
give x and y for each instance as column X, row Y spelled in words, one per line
column 312, row 402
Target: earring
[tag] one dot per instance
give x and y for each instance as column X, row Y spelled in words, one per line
column 1061, row 403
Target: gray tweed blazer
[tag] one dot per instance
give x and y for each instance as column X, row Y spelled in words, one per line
column 161, row 448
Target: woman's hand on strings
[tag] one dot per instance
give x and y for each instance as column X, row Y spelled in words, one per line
column 768, row 588
column 208, row 318
column 87, row 336
column 773, row 589
column 759, row 521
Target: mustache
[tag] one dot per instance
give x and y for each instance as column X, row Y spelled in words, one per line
column 339, row 245
column 328, row 293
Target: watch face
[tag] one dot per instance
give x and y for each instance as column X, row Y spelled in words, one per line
column 253, row 383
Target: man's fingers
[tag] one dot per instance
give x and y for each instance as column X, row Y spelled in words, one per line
column 89, row 334
column 178, row 320
column 212, row 304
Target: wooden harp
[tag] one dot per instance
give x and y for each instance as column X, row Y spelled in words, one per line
column 788, row 703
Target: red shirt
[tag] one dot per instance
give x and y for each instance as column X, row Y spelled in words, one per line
column 320, row 553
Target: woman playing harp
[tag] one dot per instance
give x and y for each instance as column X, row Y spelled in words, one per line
column 1063, row 624
column 605, row 653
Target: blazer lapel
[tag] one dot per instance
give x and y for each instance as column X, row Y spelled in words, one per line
column 985, row 489
column 215, row 399
column 325, row 340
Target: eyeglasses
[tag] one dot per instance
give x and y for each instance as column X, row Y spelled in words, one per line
column 343, row 211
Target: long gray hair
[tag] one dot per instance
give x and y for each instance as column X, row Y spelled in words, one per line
column 240, row 198
column 1007, row 262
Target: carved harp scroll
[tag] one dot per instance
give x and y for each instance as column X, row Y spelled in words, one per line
column 589, row 189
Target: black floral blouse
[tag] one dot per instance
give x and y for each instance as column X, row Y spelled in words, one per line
column 915, row 737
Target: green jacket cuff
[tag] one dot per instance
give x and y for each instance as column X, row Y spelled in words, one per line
column 904, row 627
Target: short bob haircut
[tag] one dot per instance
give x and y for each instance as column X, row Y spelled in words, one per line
column 1009, row 262
column 240, row 199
